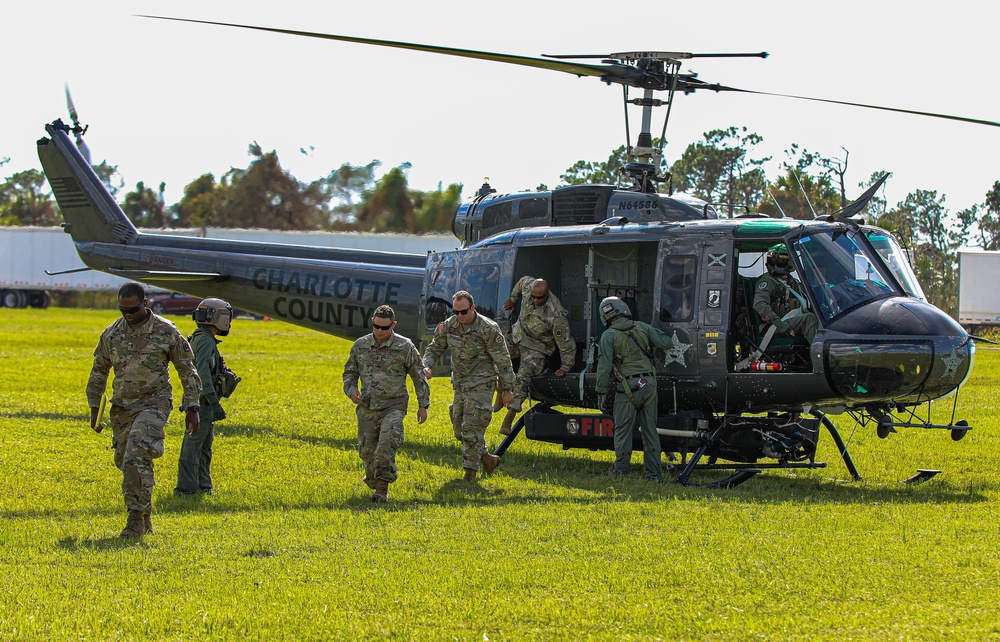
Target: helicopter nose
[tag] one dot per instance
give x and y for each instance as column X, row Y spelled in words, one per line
column 897, row 350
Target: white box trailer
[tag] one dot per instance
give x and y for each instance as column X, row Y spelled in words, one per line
column 27, row 252
column 978, row 289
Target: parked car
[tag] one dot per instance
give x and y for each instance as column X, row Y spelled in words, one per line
column 182, row 304
column 173, row 303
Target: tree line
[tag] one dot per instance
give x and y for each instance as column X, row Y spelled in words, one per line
column 723, row 168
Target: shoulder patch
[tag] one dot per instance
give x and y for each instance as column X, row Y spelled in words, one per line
column 762, row 285
column 441, row 329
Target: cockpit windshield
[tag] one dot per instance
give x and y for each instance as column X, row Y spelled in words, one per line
column 840, row 272
column 896, row 260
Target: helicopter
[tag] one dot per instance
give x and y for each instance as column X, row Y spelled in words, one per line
column 731, row 397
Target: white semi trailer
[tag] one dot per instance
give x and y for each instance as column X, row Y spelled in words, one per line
column 978, row 289
column 31, row 257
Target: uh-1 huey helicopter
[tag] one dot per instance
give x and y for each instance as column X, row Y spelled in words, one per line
column 730, row 395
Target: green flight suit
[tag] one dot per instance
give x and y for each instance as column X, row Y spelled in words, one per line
column 194, row 466
column 773, row 300
column 639, row 374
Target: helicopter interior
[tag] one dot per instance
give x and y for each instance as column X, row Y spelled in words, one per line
column 582, row 275
column 749, row 333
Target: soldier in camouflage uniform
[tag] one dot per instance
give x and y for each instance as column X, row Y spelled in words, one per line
column 541, row 327
column 626, row 354
column 478, row 355
column 382, row 360
column 138, row 347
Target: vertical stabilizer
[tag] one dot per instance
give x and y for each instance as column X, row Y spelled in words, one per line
column 91, row 213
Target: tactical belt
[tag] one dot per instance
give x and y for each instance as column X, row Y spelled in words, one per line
column 465, row 387
column 628, row 389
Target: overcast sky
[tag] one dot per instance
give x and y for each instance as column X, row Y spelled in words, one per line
column 167, row 101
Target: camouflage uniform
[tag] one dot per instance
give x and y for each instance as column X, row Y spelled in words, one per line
column 478, row 354
column 772, row 300
column 536, row 334
column 142, row 396
column 194, row 467
column 639, row 374
column 383, row 368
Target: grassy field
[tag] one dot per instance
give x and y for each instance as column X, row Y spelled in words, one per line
column 549, row 548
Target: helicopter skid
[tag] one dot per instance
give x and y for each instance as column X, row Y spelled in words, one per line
column 744, row 472
column 743, row 440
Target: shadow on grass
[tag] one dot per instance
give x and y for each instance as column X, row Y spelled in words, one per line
column 249, row 431
column 557, row 469
column 773, row 486
column 74, row 544
column 50, row 416
column 599, row 488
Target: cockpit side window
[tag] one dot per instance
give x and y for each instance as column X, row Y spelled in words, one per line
column 482, row 281
column 439, row 301
column 678, row 288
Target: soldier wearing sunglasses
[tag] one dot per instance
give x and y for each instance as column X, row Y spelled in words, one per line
column 381, row 361
column 139, row 346
column 478, row 356
column 542, row 326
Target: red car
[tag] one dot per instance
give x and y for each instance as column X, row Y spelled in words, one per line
column 177, row 303
column 173, row 303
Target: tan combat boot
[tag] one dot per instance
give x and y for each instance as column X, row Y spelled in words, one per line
column 490, row 463
column 135, row 526
column 381, row 491
column 147, row 522
column 470, row 475
column 507, row 421
column 498, row 400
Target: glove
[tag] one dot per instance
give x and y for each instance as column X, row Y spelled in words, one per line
column 218, row 412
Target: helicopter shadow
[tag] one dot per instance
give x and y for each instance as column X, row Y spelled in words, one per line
column 76, row 544
column 772, row 486
column 50, row 416
column 251, row 431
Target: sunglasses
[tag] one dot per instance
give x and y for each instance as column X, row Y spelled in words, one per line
column 131, row 310
column 457, row 311
column 539, row 298
column 381, row 327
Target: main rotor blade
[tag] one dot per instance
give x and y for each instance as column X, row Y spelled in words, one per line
column 674, row 55
column 611, row 73
column 964, row 119
column 617, row 73
column 70, row 106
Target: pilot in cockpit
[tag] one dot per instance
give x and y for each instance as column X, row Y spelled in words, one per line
column 780, row 300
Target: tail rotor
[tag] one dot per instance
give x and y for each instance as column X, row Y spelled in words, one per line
column 78, row 130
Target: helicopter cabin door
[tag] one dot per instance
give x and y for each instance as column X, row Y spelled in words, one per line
column 692, row 304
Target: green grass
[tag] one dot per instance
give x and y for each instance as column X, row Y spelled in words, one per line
column 549, row 548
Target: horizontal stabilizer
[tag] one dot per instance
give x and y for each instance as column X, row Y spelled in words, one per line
column 73, row 271
column 153, row 275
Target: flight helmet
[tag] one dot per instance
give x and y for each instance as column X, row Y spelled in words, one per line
column 779, row 263
column 611, row 308
column 216, row 313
